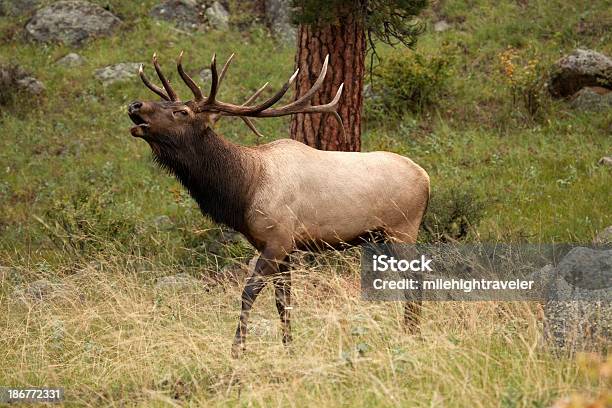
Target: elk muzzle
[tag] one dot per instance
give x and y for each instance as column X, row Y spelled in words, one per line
column 134, row 111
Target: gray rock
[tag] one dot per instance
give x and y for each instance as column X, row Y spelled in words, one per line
column 262, row 327
column 238, row 269
column 15, row 78
column 224, row 239
column 41, row 289
column 370, row 93
column 578, row 312
column 215, row 248
column 17, row 7
column 574, row 326
column 587, row 268
column 580, row 69
column 605, row 161
column 604, row 237
column 206, row 74
column 186, row 14
column 71, row 22
column 178, row 282
column 233, row 272
column 543, row 278
column 441, row 26
column 118, row 72
column 217, row 16
column 591, row 100
column 8, row 274
column 57, row 333
column 229, row 236
column 278, row 19
column 31, row 85
column 163, row 223
column 71, row 60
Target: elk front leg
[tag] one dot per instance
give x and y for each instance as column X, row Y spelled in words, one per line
column 282, row 291
column 266, row 265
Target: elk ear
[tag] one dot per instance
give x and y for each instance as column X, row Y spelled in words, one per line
column 212, row 119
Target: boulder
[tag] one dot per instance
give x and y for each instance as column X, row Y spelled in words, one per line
column 371, row 94
column 178, row 282
column 39, row 290
column 226, row 238
column 8, row 274
column 578, row 311
column 278, row 19
column 234, row 272
column 592, row 99
column 118, row 72
column 71, row 60
column 604, row 237
column 441, row 26
column 605, row 161
column 587, row 268
column 14, row 78
column 186, row 14
column 261, row 327
column 230, row 237
column 17, row 7
column 206, row 75
column 163, row 223
column 31, row 85
column 580, row 69
column 217, row 16
column 71, row 22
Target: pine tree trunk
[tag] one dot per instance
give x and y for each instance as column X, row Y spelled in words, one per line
column 345, row 43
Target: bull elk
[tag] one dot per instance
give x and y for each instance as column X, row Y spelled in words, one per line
column 282, row 196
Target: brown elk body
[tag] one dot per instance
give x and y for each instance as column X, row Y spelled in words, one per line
column 283, row 195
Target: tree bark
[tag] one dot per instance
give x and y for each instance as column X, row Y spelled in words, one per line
column 345, row 43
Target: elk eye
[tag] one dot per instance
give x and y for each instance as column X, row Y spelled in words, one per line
column 182, row 112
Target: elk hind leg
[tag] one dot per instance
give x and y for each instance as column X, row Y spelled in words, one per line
column 282, row 291
column 407, row 233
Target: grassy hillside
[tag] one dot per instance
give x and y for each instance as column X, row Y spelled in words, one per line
column 79, row 200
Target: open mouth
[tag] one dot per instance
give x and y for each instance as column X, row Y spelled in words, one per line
column 141, row 125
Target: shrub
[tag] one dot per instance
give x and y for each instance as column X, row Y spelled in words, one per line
column 82, row 223
column 525, row 78
column 9, row 75
column 410, row 81
column 451, row 215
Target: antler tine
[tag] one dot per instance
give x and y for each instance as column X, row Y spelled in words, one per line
column 255, row 95
column 251, row 126
column 291, row 109
column 224, row 69
column 305, row 99
column 328, row 107
column 214, row 84
column 197, row 92
column 277, row 97
column 150, row 85
column 171, row 94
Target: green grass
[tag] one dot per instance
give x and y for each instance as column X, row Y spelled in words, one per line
column 79, row 196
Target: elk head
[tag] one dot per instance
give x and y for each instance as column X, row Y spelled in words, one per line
column 171, row 118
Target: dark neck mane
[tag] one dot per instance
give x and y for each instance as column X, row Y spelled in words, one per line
column 219, row 175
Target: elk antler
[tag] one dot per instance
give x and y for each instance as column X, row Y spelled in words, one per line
column 265, row 110
column 245, row 111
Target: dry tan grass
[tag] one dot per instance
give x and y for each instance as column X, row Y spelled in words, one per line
column 110, row 337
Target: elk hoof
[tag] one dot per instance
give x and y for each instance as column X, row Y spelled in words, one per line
column 237, row 350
